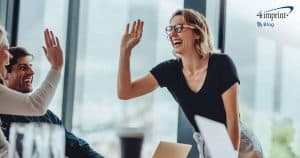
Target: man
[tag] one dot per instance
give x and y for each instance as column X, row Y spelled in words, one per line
column 20, row 77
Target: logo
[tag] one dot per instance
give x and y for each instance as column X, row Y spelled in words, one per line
column 267, row 18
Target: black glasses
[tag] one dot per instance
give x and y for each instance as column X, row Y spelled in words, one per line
column 177, row 28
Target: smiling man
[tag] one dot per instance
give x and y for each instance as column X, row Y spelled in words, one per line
column 20, row 73
column 20, row 77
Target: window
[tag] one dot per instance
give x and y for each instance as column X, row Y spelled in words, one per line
column 267, row 62
column 3, row 9
column 34, row 17
column 97, row 111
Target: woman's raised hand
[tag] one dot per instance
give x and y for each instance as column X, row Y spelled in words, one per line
column 132, row 37
column 53, row 50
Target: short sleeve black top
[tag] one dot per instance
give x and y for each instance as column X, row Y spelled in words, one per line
column 207, row 102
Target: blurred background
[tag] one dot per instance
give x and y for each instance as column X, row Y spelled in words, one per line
column 267, row 59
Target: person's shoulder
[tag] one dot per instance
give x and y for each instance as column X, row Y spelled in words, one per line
column 168, row 64
column 221, row 58
column 6, row 120
column 4, row 117
column 50, row 113
column 171, row 62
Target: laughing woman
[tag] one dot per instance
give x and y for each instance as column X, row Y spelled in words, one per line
column 202, row 82
column 12, row 102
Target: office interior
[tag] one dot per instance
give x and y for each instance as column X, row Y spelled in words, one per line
column 266, row 57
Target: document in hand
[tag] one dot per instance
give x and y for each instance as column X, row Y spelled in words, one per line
column 172, row 150
column 216, row 138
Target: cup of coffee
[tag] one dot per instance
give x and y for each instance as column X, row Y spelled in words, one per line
column 131, row 142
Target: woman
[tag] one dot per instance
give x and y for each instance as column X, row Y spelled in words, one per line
column 12, row 102
column 200, row 81
column 4, row 54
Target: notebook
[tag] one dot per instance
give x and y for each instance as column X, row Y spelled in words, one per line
column 216, row 138
column 172, row 150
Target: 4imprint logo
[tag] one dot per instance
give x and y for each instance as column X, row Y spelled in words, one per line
column 267, row 18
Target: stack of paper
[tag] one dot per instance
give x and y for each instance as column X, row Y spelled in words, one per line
column 216, row 138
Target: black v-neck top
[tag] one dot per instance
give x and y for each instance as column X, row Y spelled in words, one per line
column 207, row 102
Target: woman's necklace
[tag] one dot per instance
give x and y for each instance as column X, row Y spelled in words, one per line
column 196, row 75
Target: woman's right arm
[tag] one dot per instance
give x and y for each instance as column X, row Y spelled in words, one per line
column 126, row 88
column 16, row 103
column 13, row 102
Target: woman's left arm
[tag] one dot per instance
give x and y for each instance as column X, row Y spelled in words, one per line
column 229, row 98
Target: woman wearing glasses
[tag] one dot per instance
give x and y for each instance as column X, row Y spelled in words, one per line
column 202, row 82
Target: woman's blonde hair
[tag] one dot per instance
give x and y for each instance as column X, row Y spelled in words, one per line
column 203, row 45
column 3, row 38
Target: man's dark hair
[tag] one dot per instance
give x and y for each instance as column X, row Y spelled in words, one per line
column 17, row 53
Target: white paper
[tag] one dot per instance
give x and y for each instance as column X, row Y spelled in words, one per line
column 216, row 138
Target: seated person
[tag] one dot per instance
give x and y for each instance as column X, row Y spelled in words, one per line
column 16, row 103
column 20, row 77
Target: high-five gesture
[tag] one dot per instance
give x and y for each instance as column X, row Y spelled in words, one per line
column 126, row 88
column 132, row 37
column 53, row 50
